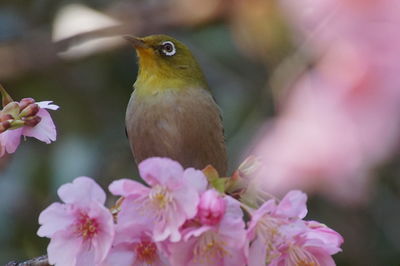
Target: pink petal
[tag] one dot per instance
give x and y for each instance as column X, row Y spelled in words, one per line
column 257, row 253
column 131, row 232
column 182, row 252
column 196, row 232
column 187, row 199
column 237, row 257
column 86, row 256
column 48, row 105
column 327, row 238
column 267, row 208
column 44, row 131
column 323, row 258
column 293, row 205
column 81, row 191
column 126, row 187
column 233, row 211
column 54, row 218
column 11, row 139
column 196, row 179
column 121, row 254
column 168, row 229
column 162, row 171
column 130, row 207
column 104, row 238
column 63, row 249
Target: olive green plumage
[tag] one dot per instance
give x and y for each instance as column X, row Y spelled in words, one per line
column 171, row 112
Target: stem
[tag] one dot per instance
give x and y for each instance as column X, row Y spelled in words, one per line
column 39, row 261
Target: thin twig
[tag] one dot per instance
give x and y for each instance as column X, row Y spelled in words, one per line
column 39, row 261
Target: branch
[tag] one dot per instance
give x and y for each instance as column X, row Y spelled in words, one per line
column 39, row 261
column 38, row 51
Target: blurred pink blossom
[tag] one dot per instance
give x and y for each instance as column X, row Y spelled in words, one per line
column 279, row 236
column 171, row 200
column 223, row 243
column 81, row 229
column 341, row 117
column 44, row 131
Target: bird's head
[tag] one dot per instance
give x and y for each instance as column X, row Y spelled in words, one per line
column 165, row 63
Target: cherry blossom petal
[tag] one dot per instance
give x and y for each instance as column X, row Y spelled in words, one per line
column 196, row 178
column 63, row 249
column 82, row 190
column 126, row 187
column 44, row 131
column 48, row 105
column 54, row 218
column 293, row 205
column 11, row 139
column 163, row 171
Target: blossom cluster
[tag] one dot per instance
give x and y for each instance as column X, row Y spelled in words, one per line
column 180, row 218
column 24, row 118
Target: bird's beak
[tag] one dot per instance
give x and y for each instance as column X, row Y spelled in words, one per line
column 136, row 42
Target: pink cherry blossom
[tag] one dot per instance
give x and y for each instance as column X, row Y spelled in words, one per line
column 279, row 236
column 172, row 198
column 134, row 245
column 307, row 244
column 44, row 131
column 219, row 244
column 81, row 229
column 211, row 208
column 264, row 226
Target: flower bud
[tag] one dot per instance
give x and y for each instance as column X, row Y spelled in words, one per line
column 4, row 117
column 11, row 108
column 4, row 126
column 32, row 120
column 6, row 99
column 30, row 110
column 16, row 123
column 211, row 207
column 25, row 102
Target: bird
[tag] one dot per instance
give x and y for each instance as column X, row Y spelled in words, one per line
column 171, row 112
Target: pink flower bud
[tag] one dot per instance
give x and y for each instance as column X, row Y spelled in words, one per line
column 211, row 207
column 31, row 121
column 5, row 117
column 25, row 102
column 31, row 110
column 4, row 126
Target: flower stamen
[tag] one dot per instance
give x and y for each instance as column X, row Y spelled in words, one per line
column 146, row 252
column 209, row 248
column 86, row 227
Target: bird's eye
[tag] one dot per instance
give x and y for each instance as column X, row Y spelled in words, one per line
column 168, row 48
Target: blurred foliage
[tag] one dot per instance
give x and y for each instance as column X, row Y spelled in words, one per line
column 238, row 44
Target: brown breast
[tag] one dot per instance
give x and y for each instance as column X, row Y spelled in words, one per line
column 185, row 126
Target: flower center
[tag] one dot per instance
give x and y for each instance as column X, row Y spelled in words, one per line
column 267, row 230
column 209, row 248
column 160, row 197
column 300, row 256
column 86, row 226
column 146, row 251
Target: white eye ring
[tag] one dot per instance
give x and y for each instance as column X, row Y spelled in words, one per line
column 168, row 48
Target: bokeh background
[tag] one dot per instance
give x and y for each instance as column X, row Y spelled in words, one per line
column 252, row 52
